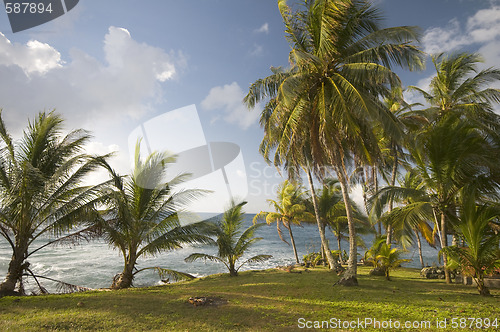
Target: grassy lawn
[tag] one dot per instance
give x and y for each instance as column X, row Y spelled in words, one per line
column 260, row 300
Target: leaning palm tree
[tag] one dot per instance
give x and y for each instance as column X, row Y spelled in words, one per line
column 232, row 241
column 289, row 209
column 41, row 191
column 324, row 110
column 141, row 216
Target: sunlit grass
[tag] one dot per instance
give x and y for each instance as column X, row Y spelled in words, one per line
column 262, row 300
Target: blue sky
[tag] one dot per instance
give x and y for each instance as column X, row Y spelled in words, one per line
column 109, row 66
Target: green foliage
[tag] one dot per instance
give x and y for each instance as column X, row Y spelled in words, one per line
column 41, row 191
column 324, row 108
column 383, row 257
column 314, row 258
column 232, row 241
column 481, row 256
column 290, row 208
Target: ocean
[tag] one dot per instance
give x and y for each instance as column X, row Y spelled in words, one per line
column 93, row 264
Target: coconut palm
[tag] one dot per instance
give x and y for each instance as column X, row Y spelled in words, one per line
column 289, row 209
column 414, row 217
column 448, row 157
column 41, row 191
column 232, row 241
column 460, row 99
column 325, row 108
column 481, row 254
column 332, row 214
column 393, row 152
column 142, row 216
column 389, row 258
column 460, row 87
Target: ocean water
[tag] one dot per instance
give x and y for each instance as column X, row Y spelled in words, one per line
column 94, row 264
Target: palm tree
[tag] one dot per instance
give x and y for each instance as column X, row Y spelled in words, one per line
column 332, row 214
column 232, row 241
column 389, row 258
column 141, row 216
column 482, row 254
column 289, row 209
column 324, row 109
column 414, row 217
column 393, row 153
column 460, row 87
column 41, row 191
column 449, row 156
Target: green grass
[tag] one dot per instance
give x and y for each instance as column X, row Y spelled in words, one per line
column 257, row 300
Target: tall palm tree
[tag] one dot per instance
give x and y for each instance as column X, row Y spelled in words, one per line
column 460, row 91
column 232, row 241
column 289, row 209
column 393, row 150
column 141, row 216
column 41, row 190
column 324, row 110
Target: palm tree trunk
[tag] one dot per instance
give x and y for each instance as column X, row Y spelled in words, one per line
column 124, row 279
column 334, row 265
column 14, row 272
column 375, row 189
column 393, row 182
column 232, row 269
column 339, row 246
column 444, row 244
column 349, row 278
column 419, row 244
column 293, row 243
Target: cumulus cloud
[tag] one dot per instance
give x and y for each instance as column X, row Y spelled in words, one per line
column 228, row 99
column 33, row 58
column 264, row 28
column 84, row 88
column 483, row 27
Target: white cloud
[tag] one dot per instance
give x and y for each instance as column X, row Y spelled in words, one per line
column 482, row 27
column 84, row 88
column 228, row 98
column 119, row 161
column 34, row 57
column 446, row 39
column 264, row 28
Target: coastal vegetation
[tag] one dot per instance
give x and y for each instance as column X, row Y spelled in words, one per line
column 428, row 171
column 232, row 241
column 340, row 108
column 290, row 208
column 140, row 216
column 42, row 192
